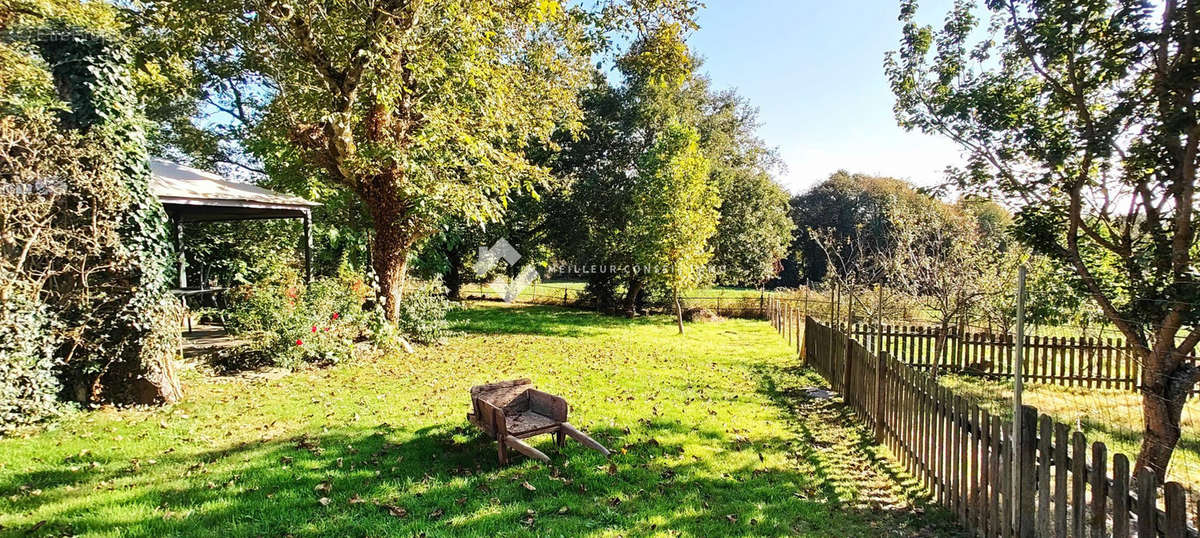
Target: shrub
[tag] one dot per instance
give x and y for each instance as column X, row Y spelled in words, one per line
column 423, row 312
column 325, row 322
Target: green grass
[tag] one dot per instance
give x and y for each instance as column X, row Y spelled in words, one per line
column 710, row 432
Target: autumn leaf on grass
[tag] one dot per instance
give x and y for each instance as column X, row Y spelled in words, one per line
column 324, row 501
column 437, row 514
column 528, row 486
column 732, row 518
column 323, row 487
column 355, row 499
column 394, row 510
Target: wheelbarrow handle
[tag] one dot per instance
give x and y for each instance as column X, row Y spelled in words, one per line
column 583, row 438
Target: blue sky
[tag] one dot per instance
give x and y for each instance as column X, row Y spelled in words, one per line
column 814, row 69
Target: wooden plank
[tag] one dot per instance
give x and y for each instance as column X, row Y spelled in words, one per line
column 1144, row 483
column 974, row 522
column 939, row 442
column 1176, row 509
column 1045, row 434
column 1099, row 476
column 996, row 479
column 963, row 421
column 1007, row 487
column 984, row 501
column 1024, row 492
column 1060, row 479
column 1120, row 496
column 1078, row 484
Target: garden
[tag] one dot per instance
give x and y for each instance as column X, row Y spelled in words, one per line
column 712, row 434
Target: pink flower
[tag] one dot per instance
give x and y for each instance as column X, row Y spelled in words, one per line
column 335, row 315
column 314, row 328
column 299, row 342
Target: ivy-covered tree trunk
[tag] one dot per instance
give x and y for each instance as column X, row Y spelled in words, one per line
column 127, row 322
column 395, row 235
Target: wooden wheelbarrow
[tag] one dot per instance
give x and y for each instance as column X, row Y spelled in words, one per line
column 513, row 410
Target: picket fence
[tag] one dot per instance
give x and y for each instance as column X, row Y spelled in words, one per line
column 965, row 457
column 1069, row 361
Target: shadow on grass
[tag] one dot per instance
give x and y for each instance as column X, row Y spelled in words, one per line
column 441, row 480
column 852, row 472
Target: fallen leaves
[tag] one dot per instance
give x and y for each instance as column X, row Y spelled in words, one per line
column 394, row 511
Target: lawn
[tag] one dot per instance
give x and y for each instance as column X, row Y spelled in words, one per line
column 1113, row 417
column 712, row 435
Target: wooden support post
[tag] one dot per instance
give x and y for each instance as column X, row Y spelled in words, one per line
column 180, row 257
column 832, row 319
column 307, row 246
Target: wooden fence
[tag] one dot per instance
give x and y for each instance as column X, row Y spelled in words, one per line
column 965, row 456
column 1068, row 361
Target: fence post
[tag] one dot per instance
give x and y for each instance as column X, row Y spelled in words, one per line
column 881, row 358
column 1022, row 462
column 832, row 292
column 846, row 356
column 1026, row 449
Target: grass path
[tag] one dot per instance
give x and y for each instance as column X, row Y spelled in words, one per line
column 712, row 435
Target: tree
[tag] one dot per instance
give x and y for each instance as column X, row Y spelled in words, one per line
column 942, row 262
column 422, row 109
column 84, row 249
column 1083, row 115
column 676, row 213
column 847, row 206
column 755, row 230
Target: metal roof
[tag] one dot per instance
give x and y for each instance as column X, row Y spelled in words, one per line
column 191, row 195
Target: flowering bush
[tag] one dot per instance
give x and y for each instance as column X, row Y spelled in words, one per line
column 324, row 322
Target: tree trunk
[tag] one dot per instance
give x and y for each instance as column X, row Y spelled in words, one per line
column 939, row 349
column 1166, row 383
column 394, row 237
column 678, row 311
column 635, row 288
column 454, row 275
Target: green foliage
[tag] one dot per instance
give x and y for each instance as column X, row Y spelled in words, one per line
column 28, row 385
column 423, row 110
column 1083, row 114
column 675, row 211
column 856, row 210
column 594, row 221
column 290, row 323
column 128, row 337
column 754, row 231
column 423, row 313
column 233, row 253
